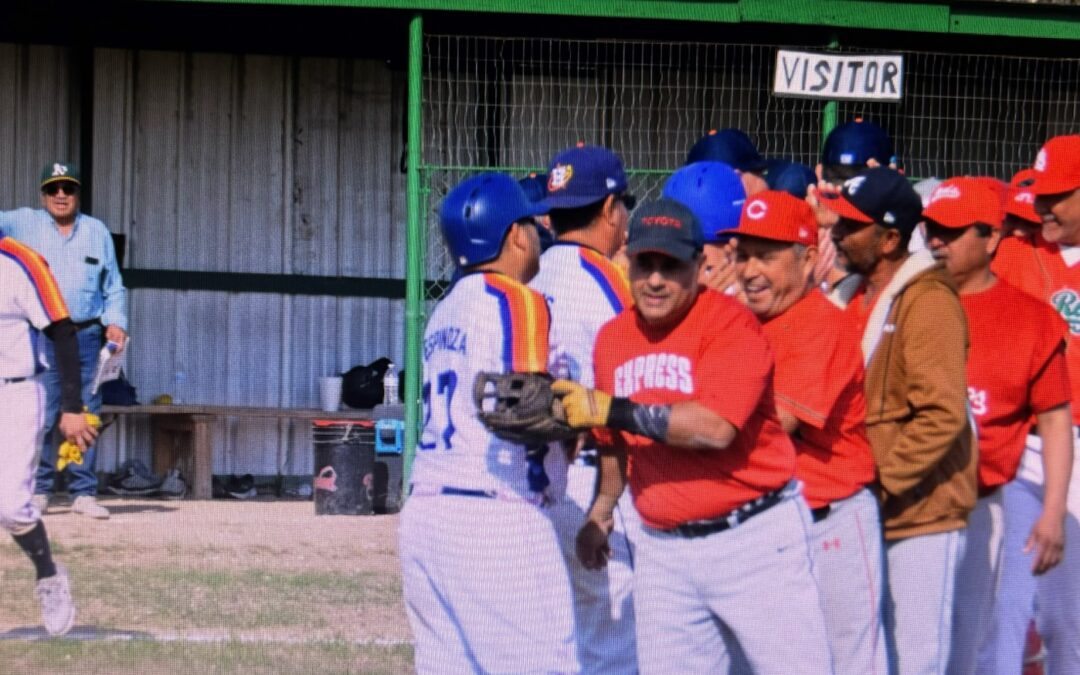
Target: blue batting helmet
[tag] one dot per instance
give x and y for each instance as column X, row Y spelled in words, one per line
column 713, row 191
column 476, row 215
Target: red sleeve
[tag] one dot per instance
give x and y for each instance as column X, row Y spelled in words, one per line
column 1050, row 386
column 735, row 365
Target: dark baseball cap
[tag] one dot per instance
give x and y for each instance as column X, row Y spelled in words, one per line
column 58, row 171
column 665, row 226
column 879, row 195
column 730, row 146
column 856, row 142
column 582, row 175
column 791, row 177
column 535, row 186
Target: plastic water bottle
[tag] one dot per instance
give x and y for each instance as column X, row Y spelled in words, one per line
column 390, row 386
column 179, row 380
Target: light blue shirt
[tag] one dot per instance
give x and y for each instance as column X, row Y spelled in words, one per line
column 84, row 262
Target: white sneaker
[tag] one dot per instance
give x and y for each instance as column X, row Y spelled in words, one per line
column 57, row 609
column 87, row 505
column 41, row 501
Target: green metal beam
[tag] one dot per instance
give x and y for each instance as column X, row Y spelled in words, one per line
column 924, row 16
column 416, row 239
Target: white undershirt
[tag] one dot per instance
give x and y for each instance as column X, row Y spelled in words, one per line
column 1070, row 254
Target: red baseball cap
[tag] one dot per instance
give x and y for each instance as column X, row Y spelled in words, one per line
column 962, row 202
column 1021, row 202
column 1057, row 166
column 779, row 216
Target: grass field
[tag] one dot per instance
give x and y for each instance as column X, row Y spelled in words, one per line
column 213, row 587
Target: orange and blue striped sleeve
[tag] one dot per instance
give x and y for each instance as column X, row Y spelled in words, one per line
column 37, row 270
column 525, row 322
column 609, row 277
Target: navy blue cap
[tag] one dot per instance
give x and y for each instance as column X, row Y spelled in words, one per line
column 730, row 146
column 665, row 226
column 879, row 195
column 582, row 175
column 535, row 186
column 791, row 177
column 853, row 143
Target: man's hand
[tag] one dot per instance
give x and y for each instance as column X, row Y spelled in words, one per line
column 1047, row 540
column 592, row 545
column 114, row 333
column 78, row 429
column 584, row 408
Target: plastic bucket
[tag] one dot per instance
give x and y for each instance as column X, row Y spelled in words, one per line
column 344, row 467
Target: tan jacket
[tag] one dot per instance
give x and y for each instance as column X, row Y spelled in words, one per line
column 917, row 407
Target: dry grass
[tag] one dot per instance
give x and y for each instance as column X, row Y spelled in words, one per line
column 215, row 586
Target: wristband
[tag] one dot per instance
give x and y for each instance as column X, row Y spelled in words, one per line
column 650, row 421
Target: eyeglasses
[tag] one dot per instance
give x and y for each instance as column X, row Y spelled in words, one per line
column 628, row 200
column 67, row 187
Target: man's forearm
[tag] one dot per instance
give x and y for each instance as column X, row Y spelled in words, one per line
column 1055, row 430
column 610, row 483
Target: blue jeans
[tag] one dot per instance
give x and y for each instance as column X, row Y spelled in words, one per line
column 81, row 477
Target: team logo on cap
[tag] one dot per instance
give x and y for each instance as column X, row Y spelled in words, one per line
column 560, row 177
column 852, row 185
column 662, row 221
column 756, row 209
column 59, row 170
column 1040, row 161
column 1024, row 198
column 610, row 183
column 847, row 158
column 804, row 233
column 945, row 192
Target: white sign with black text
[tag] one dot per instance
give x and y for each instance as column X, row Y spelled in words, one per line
column 852, row 77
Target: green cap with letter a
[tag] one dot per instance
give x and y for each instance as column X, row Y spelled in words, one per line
column 57, row 171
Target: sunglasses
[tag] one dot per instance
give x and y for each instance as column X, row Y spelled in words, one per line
column 66, row 187
column 628, row 200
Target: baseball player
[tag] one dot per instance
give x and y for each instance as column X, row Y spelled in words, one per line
column 30, row 302
column 914, row 345
column 1012, row 376
column 80, row 253
column 715, row 193
column 1045, row 266
column 820, row 402
column 590, row 207
column 486, row 588
column 684, row 389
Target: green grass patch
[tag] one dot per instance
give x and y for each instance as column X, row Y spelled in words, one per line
column 164, row 658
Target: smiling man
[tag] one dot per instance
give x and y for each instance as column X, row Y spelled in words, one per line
column 914, row 346
column 80, row 254
column 820, row 402
column 1047, row 266
column 684, row 389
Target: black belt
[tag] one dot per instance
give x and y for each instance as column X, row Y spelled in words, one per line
column 821, row 513
column 83, row 325
column 702, row 528
column 13, row 380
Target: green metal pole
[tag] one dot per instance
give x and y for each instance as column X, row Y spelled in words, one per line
column 829, row 112
column 415, row 240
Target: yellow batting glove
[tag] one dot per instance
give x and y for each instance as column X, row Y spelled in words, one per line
column 69, row 452
column 584, row 408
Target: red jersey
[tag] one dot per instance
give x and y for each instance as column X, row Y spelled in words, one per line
column 1016, row 368
column 1038, row 268
column 718, row 357
column 819, row 380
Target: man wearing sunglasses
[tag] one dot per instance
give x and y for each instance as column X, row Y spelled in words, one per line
column 80, row 254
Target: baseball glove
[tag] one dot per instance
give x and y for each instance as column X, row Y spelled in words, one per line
column 521, row 408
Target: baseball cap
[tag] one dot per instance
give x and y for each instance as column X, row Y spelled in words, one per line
column 713, row 191
column 665, row 226
column 855, row 142
column 582, row 175
column 964, row 201
column 730, row 146
column 535, row 186
column 788, row 176
column 879, row 195
column 780, row 216
column 58, row 171
column 1057, row 166
column 1021, row 201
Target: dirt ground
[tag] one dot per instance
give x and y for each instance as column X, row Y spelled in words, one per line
column 258, row 570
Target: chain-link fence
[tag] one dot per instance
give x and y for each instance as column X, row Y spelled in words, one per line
column 511, row 103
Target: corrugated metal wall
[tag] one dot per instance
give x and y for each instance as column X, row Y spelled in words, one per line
column 231, row 163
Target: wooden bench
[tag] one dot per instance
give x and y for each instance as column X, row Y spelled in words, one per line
column 180, row 434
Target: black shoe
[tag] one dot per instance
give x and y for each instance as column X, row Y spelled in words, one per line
column 241, row 487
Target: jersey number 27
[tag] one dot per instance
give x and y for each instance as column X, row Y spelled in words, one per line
column 437, row 414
